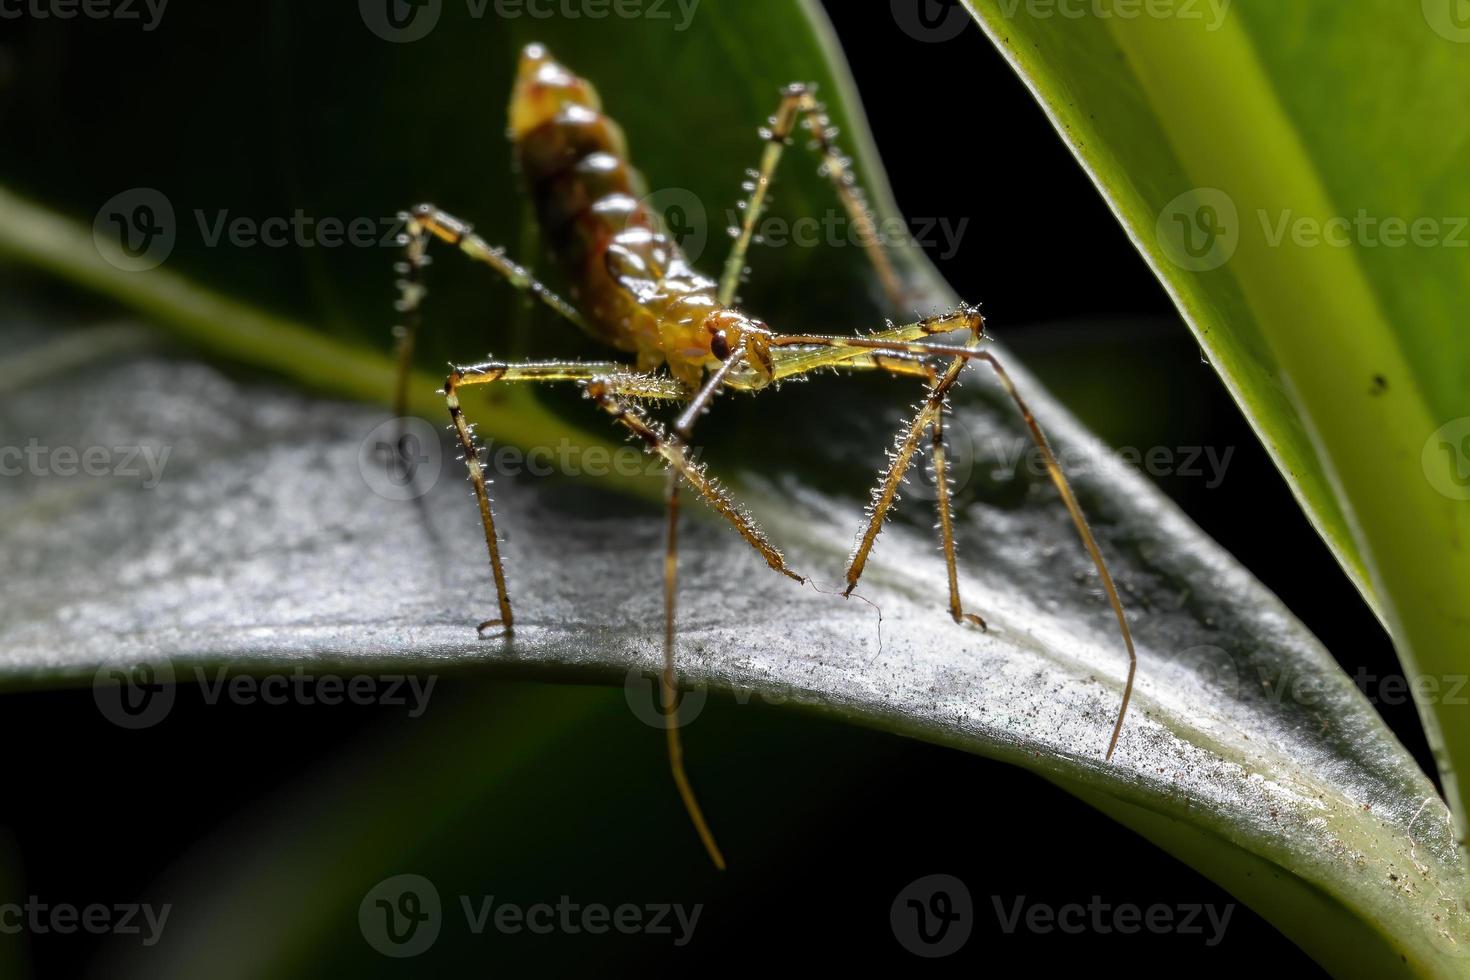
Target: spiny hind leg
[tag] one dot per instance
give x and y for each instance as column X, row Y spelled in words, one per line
column 929, row 420
column 674, row 451
column 420, row 226
column 799, row 105
column 613, row 376
column 796, row 354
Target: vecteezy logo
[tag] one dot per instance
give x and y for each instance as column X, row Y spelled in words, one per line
column 680, row 215
column 643, row 689
column 400, row 916
column 930, row 20
column 1446, row 459
column 959, row 464
column 135, row 231
column 1450, row 19
column 933, row 916
column 400, row 21
column 400, row 459
column 1208, row 668
column 136, row 695
column 1200, row 229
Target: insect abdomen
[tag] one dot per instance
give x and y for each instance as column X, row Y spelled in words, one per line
column 586, row 195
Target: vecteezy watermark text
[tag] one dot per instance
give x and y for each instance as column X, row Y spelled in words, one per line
column 934, row 916
column 144, row 463
column 402, row 916
column 405, row 21
column 835, row 229
column 138, row 229
column 1209, row 463
column 1201, row 230
column 1103, row 918
column 148, row 12
column 402, row 459
column 1210, row 13
column 140, row 695
column 63, row 918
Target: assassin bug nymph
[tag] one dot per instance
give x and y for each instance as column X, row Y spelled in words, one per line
column 633, row 289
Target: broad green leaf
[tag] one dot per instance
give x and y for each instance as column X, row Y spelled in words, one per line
column 266, row 539
column 1260, row 154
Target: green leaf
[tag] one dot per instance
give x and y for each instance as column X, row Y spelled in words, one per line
column 1249, row 754
column 1254, row 123
column 1247, row 745
column 264, row 544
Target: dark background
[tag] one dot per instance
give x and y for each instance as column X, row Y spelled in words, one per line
column 833, row 821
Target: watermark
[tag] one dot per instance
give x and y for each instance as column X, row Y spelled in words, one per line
column 1362, row 230
column 403, row 459
column 403, row 916
column 681, row 216
column 64, row 919
column 1019, row 454
column 1210, row 13
column 1446, row 459
column 134, row 696
column 1212, row 668
column 135, row 230
column 567, row 458
column 571, row 918
column 1102, row 918
column 643, row 691
column 297, row 230
column 1452, row 690
column 140, row 695
column 142, row 463
column 1201, row 230
column 934, row 916
column 405, row 21
column 959, row 464
column 148, row 13
column 138, row 229
column 835, row 229
column 1204, row 668
column 932, row 21
column 1450, row 19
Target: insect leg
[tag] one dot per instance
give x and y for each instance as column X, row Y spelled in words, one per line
column 674, row 452
column 615, row 377
column 928, row 420
column 683, row 430
column 797, row 354
column 671, row 446
column 864, row 351
column 799, row 104
column 421, row 225
column 946, row 523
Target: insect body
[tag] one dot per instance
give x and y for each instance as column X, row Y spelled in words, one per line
column 631, row 283
column 632, row 288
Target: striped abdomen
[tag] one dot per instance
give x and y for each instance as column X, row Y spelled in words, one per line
column 629, row 281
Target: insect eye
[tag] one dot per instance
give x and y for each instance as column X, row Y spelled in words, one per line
column 719, row 346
